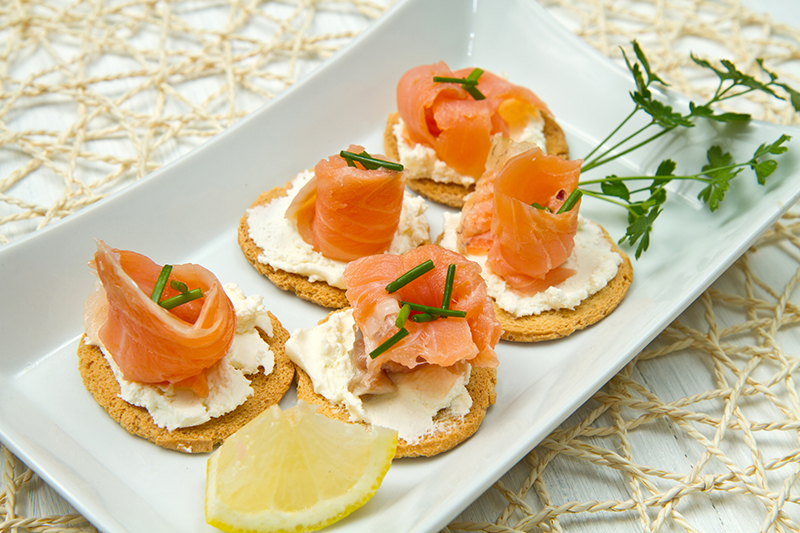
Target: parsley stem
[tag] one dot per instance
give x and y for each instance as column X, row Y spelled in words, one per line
column 182, row 298
column 600, row 161
column 161, row 283
column 435, row 310
column 410, row 276
column 388, row 343
column 613, row 132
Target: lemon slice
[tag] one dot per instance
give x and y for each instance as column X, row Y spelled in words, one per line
column 295, row 470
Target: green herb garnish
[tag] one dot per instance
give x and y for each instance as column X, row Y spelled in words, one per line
column 182, row 298
column 410, row 276
column 388, row 343
column 178, row 286
column 448, row 286
column 644, row 204
column 369, row 162
column 469, row 83
column 570, row 202
column 161, row 283
column 435, row 310
column 402, row 316
column 541, row 207
column 185, row 295
column 424, row 317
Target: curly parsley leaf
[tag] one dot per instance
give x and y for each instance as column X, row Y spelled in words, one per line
column 645, row 204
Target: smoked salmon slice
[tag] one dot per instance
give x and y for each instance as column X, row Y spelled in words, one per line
column 149, row 343
column 526, row 245
column 346, row 212
column 443, row 342
column 445, row 117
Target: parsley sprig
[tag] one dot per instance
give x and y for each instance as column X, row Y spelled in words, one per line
column 645, row 203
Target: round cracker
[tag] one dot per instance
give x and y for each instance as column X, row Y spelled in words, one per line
column 451, row 430
column 317, row 292
column 562, row 322
column 558, row 323
column 99, row 379
column 453, row 194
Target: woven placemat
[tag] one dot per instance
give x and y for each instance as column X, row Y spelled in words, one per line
column 731, row 469
column 181, row 80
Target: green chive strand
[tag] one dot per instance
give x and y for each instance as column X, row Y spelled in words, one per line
column 182, row 298
column 410, row 276
column 161, row 283
column 448, row 286
column 572, row 199
column 388, row 343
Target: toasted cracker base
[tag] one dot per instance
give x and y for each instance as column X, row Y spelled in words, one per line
column 317, row 292
column 453, row 194
column 268, row 390
column 452, row 430
column 562, row 322
column 559, row 323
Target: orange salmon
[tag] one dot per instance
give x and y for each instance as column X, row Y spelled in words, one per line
column 526, row 246
column 349, row 212
column 443, row 342
column 445, row 117
column 149, row 343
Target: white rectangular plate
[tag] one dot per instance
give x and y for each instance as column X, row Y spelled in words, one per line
column 122, row 483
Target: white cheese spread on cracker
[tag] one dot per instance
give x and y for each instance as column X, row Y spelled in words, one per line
column 593, row 259
column 228, row 387
column 420, row 161
column 283, row 248
column 324, row 352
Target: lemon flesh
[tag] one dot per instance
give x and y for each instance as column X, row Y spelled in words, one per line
column 295, row 470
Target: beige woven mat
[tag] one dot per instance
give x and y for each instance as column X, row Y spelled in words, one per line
column 164, row 52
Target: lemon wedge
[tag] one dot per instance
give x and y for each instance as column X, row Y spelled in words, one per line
column 295, row 470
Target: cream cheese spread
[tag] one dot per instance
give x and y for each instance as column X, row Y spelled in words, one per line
column 284, row 249
column 593, row 259
column 228, row 387
column 325, row 353
column 420, row 161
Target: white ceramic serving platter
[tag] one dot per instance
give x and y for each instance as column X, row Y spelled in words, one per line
column 122, row 483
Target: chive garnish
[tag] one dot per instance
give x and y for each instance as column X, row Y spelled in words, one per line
column 185, row 295
column 469, row 83
column 448, row 286
column 410, row 276
column 161, row 283
column 369, row 162
column 424, row 317
column 572, row 199
column 541, row 207
column 388, row 343
column 475, row 74
column 182, row 298
column 462, row 81
column 435, row 310
column 178, row 286
column 402, row 316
